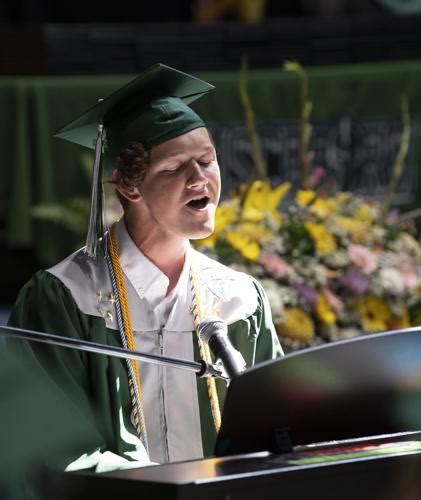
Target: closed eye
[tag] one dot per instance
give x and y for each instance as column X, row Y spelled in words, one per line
column 170, row 170
column 205, row 162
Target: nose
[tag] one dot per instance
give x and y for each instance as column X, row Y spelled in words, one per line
column 197, row 179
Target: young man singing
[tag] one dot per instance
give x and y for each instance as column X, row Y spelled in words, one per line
column 142, row 286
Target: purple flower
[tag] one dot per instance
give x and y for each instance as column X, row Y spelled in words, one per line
column 392, row 216
column 355, row 281
column 308, row 293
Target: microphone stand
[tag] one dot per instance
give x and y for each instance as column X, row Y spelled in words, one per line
column 201, row 368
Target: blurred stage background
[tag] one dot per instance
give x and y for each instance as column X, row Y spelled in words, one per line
column 57, row 59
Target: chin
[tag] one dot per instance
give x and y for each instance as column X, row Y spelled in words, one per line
column 201, row 233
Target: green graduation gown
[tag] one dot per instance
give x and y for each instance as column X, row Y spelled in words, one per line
column 77, row 403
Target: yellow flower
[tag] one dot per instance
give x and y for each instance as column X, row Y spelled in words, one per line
column 296, row 324
column 293, row 66
column 261, row 200
column 356, row 229
column 365, row 213
column 324, row 311
column 374, row 313
column 256, row 231
column 304, row 197
column 323, row 239
column 342, row 197
column 398, row 322
column 247, row 237
column 323, row 207
column 249, row 248
column 226, row 213
column 245, row 244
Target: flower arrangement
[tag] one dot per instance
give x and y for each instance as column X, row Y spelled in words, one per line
column 333, row 266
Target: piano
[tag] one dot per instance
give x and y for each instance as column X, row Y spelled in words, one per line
column 340, row 421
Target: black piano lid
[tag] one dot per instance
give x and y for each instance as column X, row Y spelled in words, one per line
column 366, row 386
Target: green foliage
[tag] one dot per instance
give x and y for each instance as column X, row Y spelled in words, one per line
column 256, row 146
column 297, row 239
column 401, row 155
column 73, row 214
column 306, row 106
column 228, row 255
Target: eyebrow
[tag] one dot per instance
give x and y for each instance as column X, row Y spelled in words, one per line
column 176, row 154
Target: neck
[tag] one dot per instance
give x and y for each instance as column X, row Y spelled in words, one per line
column 166, row 252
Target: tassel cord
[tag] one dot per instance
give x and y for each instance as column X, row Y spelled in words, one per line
column 126, row 334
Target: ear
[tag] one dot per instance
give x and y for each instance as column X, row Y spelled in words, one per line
column 130, row 193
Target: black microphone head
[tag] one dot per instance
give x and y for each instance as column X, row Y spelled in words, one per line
column 214, row 332
column 211, row 326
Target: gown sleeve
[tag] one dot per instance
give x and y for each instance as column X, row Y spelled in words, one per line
column 52, row 414
column 267, row 341
column 255, row 337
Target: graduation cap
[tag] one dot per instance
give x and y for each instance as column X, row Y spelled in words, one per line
column 150, row 109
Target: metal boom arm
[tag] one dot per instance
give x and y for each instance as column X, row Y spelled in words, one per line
column 201, row 368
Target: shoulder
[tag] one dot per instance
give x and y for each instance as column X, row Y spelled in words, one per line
column 42, row 286
column 78, row 267
column 43, row 301
column 232, row 294
column 87, row 280
column 74, row 276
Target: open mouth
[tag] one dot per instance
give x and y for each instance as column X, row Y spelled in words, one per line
column 199, row 204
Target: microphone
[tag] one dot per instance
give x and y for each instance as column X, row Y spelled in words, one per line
column 214, row 332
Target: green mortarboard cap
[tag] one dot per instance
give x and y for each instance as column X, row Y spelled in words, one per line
column 150, row 109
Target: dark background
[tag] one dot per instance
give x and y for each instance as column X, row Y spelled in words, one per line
column 50, row 37
column 88, row 37
column 46, row 11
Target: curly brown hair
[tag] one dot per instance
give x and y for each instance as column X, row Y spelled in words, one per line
column 132, row 164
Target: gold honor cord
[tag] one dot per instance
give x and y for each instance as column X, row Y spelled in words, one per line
column 203, row 347
column 128, row 329
column 134, row 385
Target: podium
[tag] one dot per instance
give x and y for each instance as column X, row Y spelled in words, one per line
column 339, row 421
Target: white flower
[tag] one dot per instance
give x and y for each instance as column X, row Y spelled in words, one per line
column 391, row 280
column 337, row 259
column 407, row 244
column 288, row 295
column 272, row 290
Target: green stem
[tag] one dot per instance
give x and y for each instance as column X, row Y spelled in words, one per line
column 412, row 214
column 256, row 146
column 305, row 126
column 399, row 163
